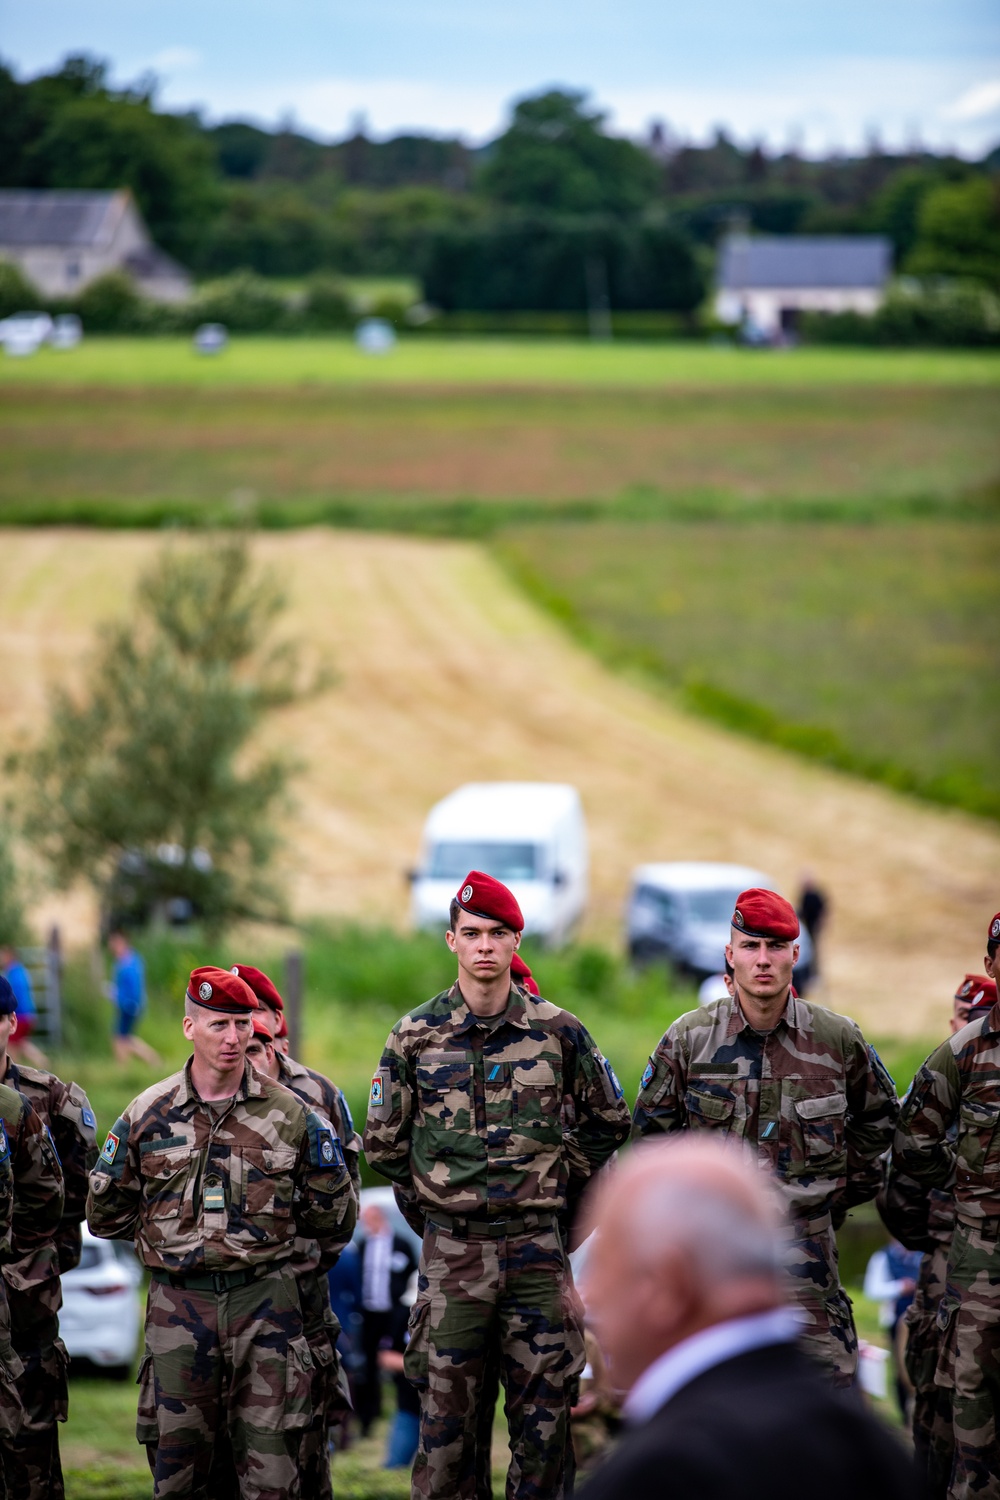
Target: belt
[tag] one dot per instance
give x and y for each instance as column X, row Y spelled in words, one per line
column 988, row 1228
column 211, row 1281
column 817, row 1224
column 490, row 1229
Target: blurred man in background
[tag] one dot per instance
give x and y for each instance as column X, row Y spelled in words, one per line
column 128, row 996
column 387, row 1264
column 687, row 1292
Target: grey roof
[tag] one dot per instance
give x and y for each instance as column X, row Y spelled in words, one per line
column 55, row 218
column 859, row 260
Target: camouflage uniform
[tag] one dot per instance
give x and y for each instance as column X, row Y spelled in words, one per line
column 492, row 1127
column 34, row 1290
column 215, row 1196
column 925, row 1220
column 31, row 1205
column 959, row 1085
column 818, row 1108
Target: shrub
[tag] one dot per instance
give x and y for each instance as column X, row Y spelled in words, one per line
column 17, row 293
column 943, row 314
column 111, row 304
column 245, row 303
column 328, row 304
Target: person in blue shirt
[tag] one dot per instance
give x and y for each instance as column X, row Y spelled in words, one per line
column 128, row 995
column 17, row 976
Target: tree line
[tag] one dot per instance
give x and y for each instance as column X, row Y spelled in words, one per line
column 556, row 213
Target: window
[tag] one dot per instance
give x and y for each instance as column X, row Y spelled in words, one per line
column 713, row 907
column 72, row 270
column 452, row 860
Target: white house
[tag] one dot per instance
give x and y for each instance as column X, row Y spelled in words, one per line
column 767, row 281
column 63, row 240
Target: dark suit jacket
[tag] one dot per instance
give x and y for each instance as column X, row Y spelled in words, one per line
column 401, row 1267
column 762, row 1426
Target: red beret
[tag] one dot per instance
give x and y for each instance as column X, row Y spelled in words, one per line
column 482, row 896
column 994, row 932
column 218, row 989
column 521, row 972
column 281, row 1030
column 977, row 992
column 260, row 984
column 261, row 1028
column 765, row 914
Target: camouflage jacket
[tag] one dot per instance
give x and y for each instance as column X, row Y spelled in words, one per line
column 204, row 1191
column 31, row 1182
column 477, row 1120
column 810, row 1097
column 958, row 1085
column 65, row 1109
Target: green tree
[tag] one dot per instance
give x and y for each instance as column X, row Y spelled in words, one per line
column 155, row 761
column 959, row 232
column 12, row 923
column 556, row 157
column 896, row 210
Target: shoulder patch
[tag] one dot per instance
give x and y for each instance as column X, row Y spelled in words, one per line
column 324, row 1146
column 881, row 1071
column 88, row 1117
column 110, row 1148
column 4, row 1143
column 612, row 1087
column 112, row 1157
column 647, row 1074
column 377, row 1096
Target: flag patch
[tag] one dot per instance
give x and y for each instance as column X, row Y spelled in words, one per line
column 110, row 1148
column 377, row 1094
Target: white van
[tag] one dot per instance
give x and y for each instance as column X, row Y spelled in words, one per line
column 529, row 834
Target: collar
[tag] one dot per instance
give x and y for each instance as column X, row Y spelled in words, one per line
column 252, row 1087
column 676, row 1368
column 288, row 1067
column 463, row 1019
column 795, row 1016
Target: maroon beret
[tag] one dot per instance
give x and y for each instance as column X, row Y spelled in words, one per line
column 977, row 992
column 482, row 896
column 281, row 1029
column 260, row 984
column 765, row 914
column 261, row 1028
column 994, row 932
column 523, row 975
column 218, row 989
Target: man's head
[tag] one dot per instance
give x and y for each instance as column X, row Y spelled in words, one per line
column 266, row 992
column 687, row 1236
column 373, row 1220
column 763, row 944
column 991, row 963
column 8, row 1013
column 118, row 943
column 974, row 997
column 260, row 1047
column 218, row 1018
column 485, row 927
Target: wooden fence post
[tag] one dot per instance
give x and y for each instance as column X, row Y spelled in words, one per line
column 293, row 996
column 53, row 987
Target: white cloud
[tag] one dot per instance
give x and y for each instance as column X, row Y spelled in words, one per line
column 977, row 103
column 173, row 59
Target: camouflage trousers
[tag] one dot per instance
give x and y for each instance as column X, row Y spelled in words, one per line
column 933, row 1443
column 31, row 1459
column 509, row 1298
column 827, row 1321
column 238, row 1360
column 969, row 1362
column 11, row 1408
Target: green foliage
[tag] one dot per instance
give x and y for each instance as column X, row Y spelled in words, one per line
column 862, row 647
column 111, row 304
column 328, row 304
column 933, row 315
column 12, row 922
column 959, row 232
column 153, row 752
column 17, row 293
column 244, row 302
column 896, row 209
column 556, row 157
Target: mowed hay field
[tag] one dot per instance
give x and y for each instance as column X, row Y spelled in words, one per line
column 109, row 454
column 447, row 674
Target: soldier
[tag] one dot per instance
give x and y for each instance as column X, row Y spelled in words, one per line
column 924, row 1219
column 215, row 1172
column 489, row 1113
column 330, row 1393
column 31, row 1205
column 797, row 1083
column 958, row 1089
column 34, row 1291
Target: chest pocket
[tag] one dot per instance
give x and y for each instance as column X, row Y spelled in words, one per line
column 268, row 1181
column 978, row 1147
column 444, row 1088
column 710, row 1106
column 166, row 1175
column 537, row 1100
column 822, row 1122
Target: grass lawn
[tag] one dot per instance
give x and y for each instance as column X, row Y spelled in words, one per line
column 880, row 639
column 384, row 456
column 491, row 362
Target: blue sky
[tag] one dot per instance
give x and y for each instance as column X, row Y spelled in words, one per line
column 808, row 71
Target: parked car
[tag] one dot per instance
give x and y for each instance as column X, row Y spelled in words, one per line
column 100, row 1318
column 24, row 333
column 681, row 913
column 529, row 834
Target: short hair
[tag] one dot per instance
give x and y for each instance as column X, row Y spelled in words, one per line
column 992, row 944
column 453, row 912
column 724, row 1238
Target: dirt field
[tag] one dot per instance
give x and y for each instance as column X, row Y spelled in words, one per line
column 447, row 674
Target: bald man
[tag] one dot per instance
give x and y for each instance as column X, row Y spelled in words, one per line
column 686, row 1290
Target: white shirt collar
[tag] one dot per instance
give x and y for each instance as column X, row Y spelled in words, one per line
column 661, row 1380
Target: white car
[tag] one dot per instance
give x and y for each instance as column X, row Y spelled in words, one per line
column 23, row 333
column 100, row 1319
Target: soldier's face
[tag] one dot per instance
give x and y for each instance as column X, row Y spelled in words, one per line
column 219, row 1041
column 762, row 966
column 8, row 1025
column 960, row 1017
column 261, row 1056
column 484, row 948
column 992, row 966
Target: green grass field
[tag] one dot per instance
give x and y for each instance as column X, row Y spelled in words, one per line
column 871, row 647
column 491, row 362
